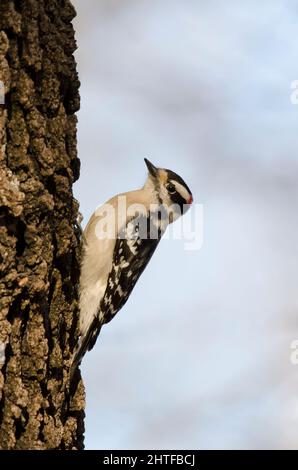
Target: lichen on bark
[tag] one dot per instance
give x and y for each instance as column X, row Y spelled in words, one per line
column 39, row 245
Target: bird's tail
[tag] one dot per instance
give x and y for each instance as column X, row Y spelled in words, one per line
column 86, row 343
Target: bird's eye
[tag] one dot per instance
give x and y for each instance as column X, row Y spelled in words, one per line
column 171, row 188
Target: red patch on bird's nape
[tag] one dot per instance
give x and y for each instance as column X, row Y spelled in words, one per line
column 190, row 200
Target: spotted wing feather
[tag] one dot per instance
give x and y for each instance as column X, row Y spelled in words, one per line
column 133, row 250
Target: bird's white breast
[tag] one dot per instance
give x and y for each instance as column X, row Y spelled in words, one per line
column 97, row 256
column 96, row 265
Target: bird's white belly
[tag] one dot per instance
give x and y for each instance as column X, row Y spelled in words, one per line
column 89, row 304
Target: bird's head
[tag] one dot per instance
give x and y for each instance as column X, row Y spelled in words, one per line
column 169, row 188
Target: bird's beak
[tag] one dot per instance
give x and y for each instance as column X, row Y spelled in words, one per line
column 151, row 168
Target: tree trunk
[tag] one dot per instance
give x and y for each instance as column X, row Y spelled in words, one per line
column 39, row 245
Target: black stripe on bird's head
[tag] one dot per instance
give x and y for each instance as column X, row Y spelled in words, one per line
column 171, row 188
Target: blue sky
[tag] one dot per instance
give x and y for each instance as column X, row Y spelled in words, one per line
column 200, row 355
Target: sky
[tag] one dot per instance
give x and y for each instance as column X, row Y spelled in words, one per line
column 200, row 356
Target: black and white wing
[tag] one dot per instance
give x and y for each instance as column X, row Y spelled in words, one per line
column 133, row 250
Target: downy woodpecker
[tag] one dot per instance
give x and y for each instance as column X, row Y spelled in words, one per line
column 118, row 242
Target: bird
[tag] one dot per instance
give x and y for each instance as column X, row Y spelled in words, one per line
column 118, row 244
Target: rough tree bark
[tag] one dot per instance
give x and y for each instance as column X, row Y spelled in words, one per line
column 39, row 246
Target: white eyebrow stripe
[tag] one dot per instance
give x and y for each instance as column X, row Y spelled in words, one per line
column 181, row 189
